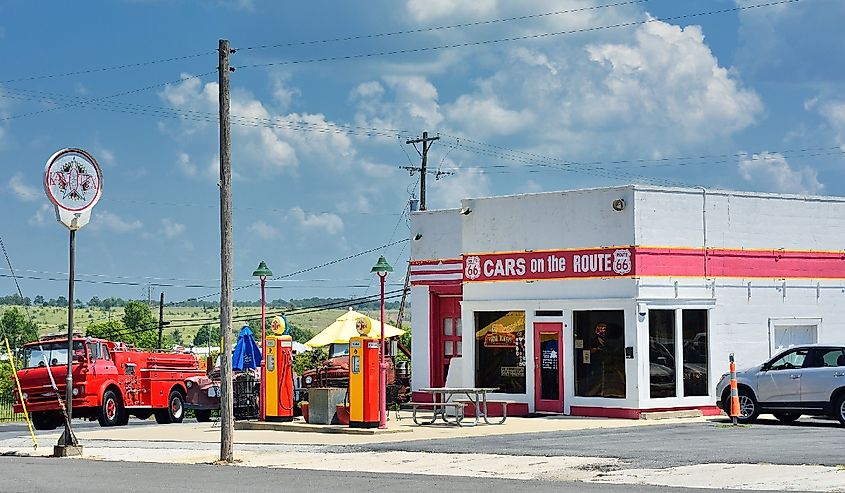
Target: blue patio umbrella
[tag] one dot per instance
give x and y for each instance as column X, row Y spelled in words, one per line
column 247, row 353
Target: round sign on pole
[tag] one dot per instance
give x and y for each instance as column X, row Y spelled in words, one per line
column 73, row 182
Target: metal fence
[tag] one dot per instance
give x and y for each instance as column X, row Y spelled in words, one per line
column 6, row 412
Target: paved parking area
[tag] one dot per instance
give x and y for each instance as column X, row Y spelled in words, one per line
column 808, row 441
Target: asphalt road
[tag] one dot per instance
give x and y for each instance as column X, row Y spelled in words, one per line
column 47, row 475
column 658, row 446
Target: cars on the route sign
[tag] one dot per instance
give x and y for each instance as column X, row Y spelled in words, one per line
column 807, row 379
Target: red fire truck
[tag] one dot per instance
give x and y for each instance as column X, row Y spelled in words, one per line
column 110, row 382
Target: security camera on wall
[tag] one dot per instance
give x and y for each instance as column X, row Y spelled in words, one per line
column 618, row 205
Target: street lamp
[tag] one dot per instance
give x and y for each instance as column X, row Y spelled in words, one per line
column 382, row 268
column 261, row 273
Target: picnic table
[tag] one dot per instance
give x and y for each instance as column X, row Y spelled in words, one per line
column 444, row 399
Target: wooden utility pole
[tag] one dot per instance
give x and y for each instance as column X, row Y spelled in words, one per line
column 227, row 422
column 161, row 322
column 425, row 140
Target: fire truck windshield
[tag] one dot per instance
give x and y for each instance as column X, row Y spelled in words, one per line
column 54, row 353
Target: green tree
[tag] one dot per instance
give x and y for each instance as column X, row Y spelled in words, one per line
column 116, row 330
column 94, row 302
column 7, row 380
column 138, row 316
column 177, row 337
column 309, row 359
column 208, row 335
column 18, row 328
column 113, row 330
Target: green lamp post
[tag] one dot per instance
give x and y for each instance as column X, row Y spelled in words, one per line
column 262, row 272
column 382, row 268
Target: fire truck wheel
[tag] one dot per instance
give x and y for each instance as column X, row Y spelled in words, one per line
column 203, row 415
column 111, row 412
column 46, row 420
column 175, row 411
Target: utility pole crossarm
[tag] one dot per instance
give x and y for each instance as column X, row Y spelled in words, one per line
column 426, row 145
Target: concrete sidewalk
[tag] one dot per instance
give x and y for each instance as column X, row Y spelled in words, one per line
column 210, row 432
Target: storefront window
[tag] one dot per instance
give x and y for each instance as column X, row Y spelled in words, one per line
column 500, row 351
column 695, row 352
column 600, row 353
column 661, row 353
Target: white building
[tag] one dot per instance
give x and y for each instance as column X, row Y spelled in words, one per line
column 612, row 301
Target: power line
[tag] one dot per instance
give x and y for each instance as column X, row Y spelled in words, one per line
column 518, row 38
column 107, row 68
column 442, row 28
column 320, row 41
column 285, row 276
column 92, row 100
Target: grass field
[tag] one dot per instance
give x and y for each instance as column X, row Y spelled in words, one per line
column 49, row 318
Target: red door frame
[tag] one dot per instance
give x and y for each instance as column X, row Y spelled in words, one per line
column 544, row 405
column 437, row 378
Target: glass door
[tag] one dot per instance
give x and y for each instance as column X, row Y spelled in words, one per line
column 548, row 370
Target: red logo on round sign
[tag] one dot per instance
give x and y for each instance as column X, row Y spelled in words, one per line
column 72, row 180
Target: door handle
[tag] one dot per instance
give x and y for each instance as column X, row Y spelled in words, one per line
column 794, row 377
column 839, row 374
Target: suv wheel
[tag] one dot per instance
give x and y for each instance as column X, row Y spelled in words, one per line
column 748, row 407
column 839, row 408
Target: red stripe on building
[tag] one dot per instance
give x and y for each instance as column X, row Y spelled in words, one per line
column 436, row 282
column 437, row 261
column 777, row 264
column 433, row 272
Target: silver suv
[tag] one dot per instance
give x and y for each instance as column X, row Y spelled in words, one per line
column 806, row 379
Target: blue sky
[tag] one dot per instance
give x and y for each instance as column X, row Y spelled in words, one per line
column 756, row 92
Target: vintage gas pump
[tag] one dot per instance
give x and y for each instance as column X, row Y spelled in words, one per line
column 278, row 391
column 363, row 382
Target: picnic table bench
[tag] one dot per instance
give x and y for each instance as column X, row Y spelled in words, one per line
column 443, row 402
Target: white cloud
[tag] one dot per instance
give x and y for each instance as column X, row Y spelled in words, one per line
column 327, row 221
column 105, row 155
column 171, row 228
column 428, row 10
column 770, row 171
column 109, row 221
column 667, row 78
column 402, row 102
column 834, row 113
column 264, row 230
column 485, row 115
column 183, row 162
column 21, row 190
column 466, row 183
column 41, row 215
column 283, row 94
column 267, row 141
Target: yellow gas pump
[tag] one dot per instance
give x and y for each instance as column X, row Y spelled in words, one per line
column 363, row 379
column 278, row 390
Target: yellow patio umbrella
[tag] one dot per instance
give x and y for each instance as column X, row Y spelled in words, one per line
column 344, row 328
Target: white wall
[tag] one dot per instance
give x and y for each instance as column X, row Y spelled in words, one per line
column 547, row 221
column 420, row 341
column 673, row 217
column 441, row 234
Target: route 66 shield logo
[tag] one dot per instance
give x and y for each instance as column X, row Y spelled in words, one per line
column 472, row 267
column 622, row 262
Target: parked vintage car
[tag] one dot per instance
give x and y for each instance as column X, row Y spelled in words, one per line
column 808, row 379
column 203, row 394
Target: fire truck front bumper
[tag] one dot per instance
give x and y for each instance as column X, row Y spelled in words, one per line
column 47, row 401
